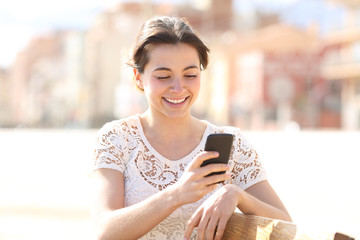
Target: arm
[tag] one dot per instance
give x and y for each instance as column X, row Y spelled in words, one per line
column 114, row 221
column 211, row 217
column 260, row 199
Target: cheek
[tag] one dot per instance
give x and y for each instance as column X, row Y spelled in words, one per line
column 195, row 86
column 153, row 89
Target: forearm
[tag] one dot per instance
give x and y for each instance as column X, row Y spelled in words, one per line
column 135, row 221
column 249, row 204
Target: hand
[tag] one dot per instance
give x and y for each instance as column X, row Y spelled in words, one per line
column 193, row 185
column 212, row 216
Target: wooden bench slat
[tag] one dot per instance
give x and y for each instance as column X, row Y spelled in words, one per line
column 249, row 227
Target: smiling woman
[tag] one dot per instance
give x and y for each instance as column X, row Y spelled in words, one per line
column 148, row 173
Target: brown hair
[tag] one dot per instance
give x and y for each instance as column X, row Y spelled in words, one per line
column 166, row 30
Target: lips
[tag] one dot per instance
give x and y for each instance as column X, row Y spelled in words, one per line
column 175, row 100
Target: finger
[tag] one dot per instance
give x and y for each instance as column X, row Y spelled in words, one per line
column 201, row 157
column 211, row 227
column 221, row 228
column 192, row 223
column 214, row 179
column 202, row 226
column 211, row 168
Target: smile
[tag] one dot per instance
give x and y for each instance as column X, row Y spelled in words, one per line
column 175, row 101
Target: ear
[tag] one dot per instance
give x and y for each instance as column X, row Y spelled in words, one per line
column 138, row 80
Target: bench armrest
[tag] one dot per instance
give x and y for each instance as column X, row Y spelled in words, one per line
column 241, row 226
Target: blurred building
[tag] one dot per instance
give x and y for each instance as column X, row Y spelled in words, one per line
column 274, row 78
column 107, row 44
column 262, row 74
column 5, row 119
column 74, row 79
column 46, row 81
column 341, row 66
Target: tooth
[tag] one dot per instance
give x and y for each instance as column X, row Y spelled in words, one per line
column 175, row 101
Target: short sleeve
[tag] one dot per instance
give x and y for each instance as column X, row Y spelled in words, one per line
column 247, row 168
column 110, row 148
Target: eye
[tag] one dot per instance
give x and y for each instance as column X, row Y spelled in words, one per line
column 163, row 78
column 190, row 76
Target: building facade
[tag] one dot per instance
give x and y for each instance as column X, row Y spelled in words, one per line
column 275, row 80
column 261, row 75
column 5, row 115
column 341, row 65
column 45, row 89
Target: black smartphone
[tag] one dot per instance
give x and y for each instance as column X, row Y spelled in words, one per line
column 221, row 143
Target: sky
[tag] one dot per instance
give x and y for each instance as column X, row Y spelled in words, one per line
column 20, row 20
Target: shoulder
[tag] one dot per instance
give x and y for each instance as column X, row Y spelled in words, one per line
column 119, row 127
column 115, row 142
column 225, row 129
column 240, row 141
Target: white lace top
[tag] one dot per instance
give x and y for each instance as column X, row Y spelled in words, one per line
column 122, row 145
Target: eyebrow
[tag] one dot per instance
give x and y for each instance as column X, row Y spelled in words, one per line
column 190, row 67
column 162, row 69
column 168, row 69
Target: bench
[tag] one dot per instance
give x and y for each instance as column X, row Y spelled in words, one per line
column 250, row 227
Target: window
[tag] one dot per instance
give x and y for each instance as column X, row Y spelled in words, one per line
column 356, row 51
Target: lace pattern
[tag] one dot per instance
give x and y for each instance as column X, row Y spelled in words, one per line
column 122, row 145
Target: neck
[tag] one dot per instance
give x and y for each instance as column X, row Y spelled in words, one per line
column 173, row 138
column 166, row 128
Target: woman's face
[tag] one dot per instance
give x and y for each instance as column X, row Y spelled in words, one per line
column 171, row 79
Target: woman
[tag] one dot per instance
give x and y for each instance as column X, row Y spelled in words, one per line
column 149, row 183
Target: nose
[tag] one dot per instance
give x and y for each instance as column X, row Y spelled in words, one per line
column 177, row 86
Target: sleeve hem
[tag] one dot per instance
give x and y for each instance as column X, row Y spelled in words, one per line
column 105, row 166
column 260, row 179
